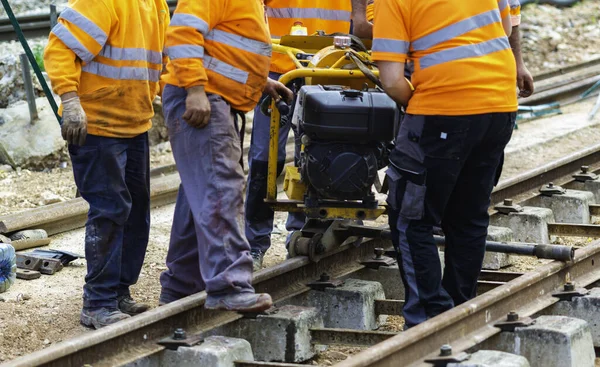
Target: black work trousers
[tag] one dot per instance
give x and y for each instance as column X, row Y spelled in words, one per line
column 442, row 172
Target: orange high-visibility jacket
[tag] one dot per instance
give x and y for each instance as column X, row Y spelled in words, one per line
column 462, row 58
column 222, row 45
column 110, row 53
column 329, row 16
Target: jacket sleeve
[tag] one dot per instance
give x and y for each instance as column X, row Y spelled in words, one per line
column 81, row 32
column 515, row 12
column 185, row 41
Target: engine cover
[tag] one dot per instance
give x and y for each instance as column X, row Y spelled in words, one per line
column 339, row 171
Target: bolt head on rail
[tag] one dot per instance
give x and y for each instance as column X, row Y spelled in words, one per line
column 445, row 350
column 179, row 334
column 569, row 287
column 512, row 316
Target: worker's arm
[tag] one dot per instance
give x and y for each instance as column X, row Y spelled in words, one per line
column 361, row 27
column 391, row 47
column 80, row 34
column 524, row 78
column 191, row 22
column 396, row 86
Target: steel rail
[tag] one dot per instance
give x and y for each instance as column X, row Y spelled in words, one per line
column 38, row 25
column 472, row 323
column 112, row 345
column 527, row 184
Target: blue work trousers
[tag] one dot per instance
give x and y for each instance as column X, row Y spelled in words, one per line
column 113, row 176
column 207, row 250
column 442, row 172
column 259, row 215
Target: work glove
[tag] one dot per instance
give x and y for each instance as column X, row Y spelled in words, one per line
column 74, row 122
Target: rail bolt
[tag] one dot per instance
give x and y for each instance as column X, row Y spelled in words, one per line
column 324, row 277
column 550, row 185
column 569, row 287
column 508, row 202
column 379, row 252
column 445, row 350
column 585, row 169
column 512, row 316
column 179, row 334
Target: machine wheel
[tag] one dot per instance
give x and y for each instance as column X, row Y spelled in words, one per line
column 8, row 266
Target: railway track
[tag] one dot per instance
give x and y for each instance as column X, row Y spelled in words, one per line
column 465, row 327
column 38, row 25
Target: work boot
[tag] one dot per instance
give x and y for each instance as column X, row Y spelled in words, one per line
column 257, row 259
column 240, row 302
column 101, row 317
column 127, row 305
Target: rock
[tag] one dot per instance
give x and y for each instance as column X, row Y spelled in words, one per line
column 6, row 168
column 158, row 133
column 26, row 297
column 32, row 145
column 50, row 198
column 46, row 341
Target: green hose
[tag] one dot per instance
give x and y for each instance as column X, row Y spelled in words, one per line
column 34, row 65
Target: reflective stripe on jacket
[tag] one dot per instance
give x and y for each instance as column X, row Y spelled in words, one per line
column 110, row 53
column 329, row 16
column 463, row 61
column 223, row 45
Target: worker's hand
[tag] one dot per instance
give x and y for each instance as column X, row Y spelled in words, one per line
column 278, row 91
column 197, row 107
column 74, row 121
column 524, row 81
column 362, row 29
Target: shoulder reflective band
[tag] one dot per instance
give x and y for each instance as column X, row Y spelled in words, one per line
column 456, row 29
column 72, row 43
column 189, row 20
column 85, row 25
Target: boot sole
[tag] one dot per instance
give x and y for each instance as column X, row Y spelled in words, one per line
column 88, row 322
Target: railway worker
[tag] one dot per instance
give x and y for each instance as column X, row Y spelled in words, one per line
column 106, row 72
column 449, row 145
column 219, row 61
column 315, row 15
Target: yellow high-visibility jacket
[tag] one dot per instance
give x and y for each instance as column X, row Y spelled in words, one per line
column 110, row 53
column 222, row 45
column 330, row 16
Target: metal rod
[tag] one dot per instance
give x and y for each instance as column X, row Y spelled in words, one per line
column 33, row 113
column 31, row 58
column 53, row 16
column 553, row 252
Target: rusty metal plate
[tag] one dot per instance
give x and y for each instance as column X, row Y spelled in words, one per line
column 29, row 262
column 50, row 266
column 28, row 274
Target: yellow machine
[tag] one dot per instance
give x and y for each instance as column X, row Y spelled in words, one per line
column 347, row 126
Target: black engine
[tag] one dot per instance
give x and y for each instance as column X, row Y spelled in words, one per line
column 347, row 136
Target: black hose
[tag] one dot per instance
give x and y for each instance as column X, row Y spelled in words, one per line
column 557, row 3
